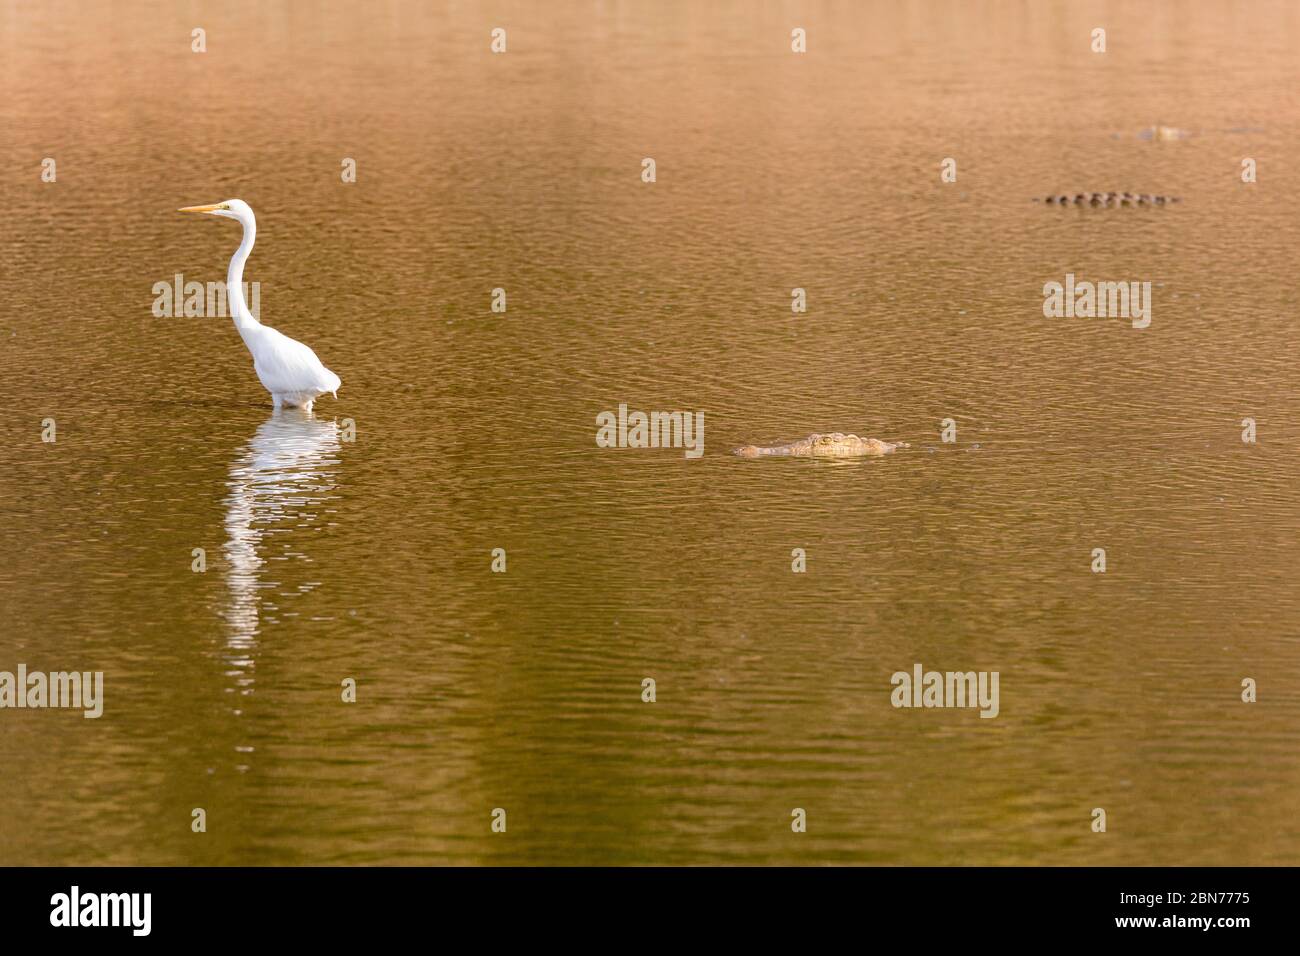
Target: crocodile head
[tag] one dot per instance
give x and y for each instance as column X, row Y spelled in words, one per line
column 830, row 445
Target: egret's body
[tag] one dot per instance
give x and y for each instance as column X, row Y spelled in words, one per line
column 287, row 369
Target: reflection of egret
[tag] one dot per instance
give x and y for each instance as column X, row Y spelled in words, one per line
column 277, row 483
column 287, row 369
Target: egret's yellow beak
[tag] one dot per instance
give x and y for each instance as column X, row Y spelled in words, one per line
column 213, row 208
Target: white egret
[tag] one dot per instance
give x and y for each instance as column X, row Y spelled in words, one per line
column 289, row 370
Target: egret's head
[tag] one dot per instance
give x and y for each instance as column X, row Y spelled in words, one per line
column 231, row 209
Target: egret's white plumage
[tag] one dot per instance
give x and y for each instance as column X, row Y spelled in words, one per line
column 289, row 370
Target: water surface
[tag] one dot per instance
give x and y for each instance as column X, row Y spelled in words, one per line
column 371, row 559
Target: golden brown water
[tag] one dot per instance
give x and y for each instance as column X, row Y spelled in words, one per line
column 371, row 559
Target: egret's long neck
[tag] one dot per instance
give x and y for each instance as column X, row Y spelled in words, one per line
column 235, row 278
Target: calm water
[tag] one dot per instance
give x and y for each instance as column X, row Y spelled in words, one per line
column 370, row 559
